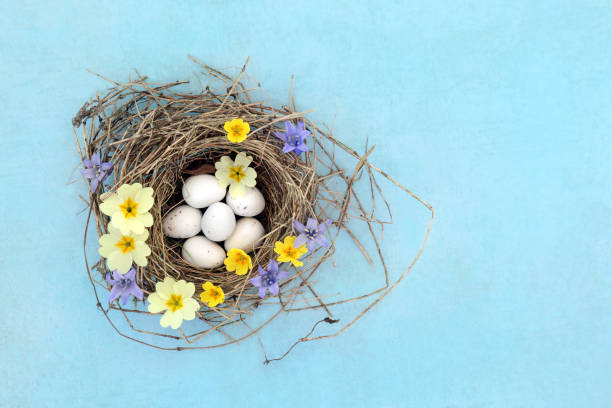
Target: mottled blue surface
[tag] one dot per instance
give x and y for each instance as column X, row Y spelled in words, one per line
column 497, row 113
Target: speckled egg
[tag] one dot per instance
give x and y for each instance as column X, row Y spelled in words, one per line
column 182, row 222
column 202, row 190
column 250, row 204
column 218, row 222
column 203, row 252
column 246, row 235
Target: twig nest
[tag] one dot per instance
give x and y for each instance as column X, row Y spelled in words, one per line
column 218, row 222
column 182, row 222
column 203, row 252
column 202, row 190
column 252, row 203
column 247, row 234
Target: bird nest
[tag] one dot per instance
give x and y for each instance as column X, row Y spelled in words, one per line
column 158, row 135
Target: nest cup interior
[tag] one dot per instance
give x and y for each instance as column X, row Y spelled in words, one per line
column 286, row 182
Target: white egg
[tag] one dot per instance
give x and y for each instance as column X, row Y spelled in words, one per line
column 218, row 222
column 203, row 253
column 246, row 235
column 182, row 222
column 250, row 204
column 202, row 190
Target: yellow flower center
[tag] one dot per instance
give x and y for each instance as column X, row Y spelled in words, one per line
column 175, row 302
column 237, row 129
column 125, row 244
column 236, row 173
column 129, row 208
column 290, row 252
column 240, row 259
column 214, row 294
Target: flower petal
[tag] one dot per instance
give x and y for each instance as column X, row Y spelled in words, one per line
column 300, row 240
column 323, row 226
column 106, row 166
column 141, row 237
column 135, row 291
column 256, row 281
column 172, row 319
column 310, row 244
column 95, row 159
column 109, row 279
column 130, row 274
column 140, row 254
column 236, row 190
column 322, row 240
column 107, row 245
column 312, row 224
column 145, row 219
column 165, row 287
column 145, row 200
column 273, row 266
column 156, row 303
column 187, row 289
column 273, row 288
column 299, row 227
column 243, row 160
column 125, row 296
column 119, row 261
column 114, row 294
column 190, row 306
column 88, row 173
column 281, row 136
column 110, row 205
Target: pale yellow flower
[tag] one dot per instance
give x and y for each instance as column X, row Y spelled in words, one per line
column 236, row 173
column 120, row 250
column 175, row 299
column 129, row 208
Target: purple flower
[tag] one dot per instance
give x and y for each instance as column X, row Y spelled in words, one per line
column 124, row 286
column 311, row 234
column 294, row 138
column 268, row 279
column 95, row 170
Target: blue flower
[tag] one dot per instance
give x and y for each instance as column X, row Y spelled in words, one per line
column 311, row 234
column 123, row 286
column 95, row 170
column 268, row 279
column 294, row 138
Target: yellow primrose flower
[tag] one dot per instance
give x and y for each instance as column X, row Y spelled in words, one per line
column 176, row 299
column 120, row 250
column 129, row 208
column 236, row 173
column 238, row 260
column 287, row 253
column 237, row 130
column 213, row 295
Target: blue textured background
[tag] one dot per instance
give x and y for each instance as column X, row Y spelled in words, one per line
column 497, row 113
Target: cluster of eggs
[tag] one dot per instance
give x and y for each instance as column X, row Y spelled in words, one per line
column 218, row 222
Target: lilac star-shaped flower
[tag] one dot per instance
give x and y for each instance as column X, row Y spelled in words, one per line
column 311, row 234
column 95, row 170
column 268, row 279
column 294, row 138
column 123, row 286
